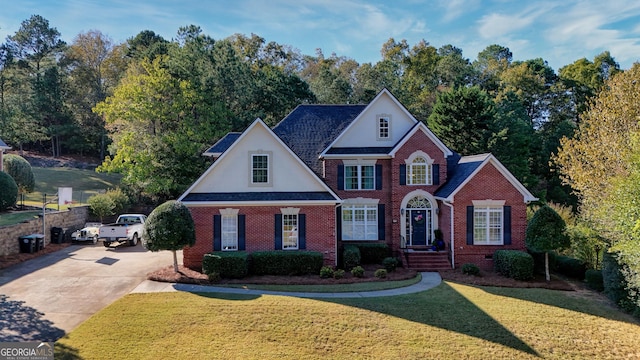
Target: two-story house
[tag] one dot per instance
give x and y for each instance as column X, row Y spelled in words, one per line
column 328, row 175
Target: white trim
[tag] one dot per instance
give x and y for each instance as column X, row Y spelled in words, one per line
column 360, row 201
column 229, row 211
column 290, row 211
column 445, row 150
column 416, row 154
column 269, row 155
column 387, row 117
column 434, row 210
column 488, row 203
column 259, row 203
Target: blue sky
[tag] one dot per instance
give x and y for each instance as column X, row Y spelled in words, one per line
column 558, row 31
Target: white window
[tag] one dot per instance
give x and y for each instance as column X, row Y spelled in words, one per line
column 488, row 225
column 229, row 232
column 259, row 168
column 360, row 222
column 419, row 172
column 359, row 177
column 290, row 231
column 384, row 127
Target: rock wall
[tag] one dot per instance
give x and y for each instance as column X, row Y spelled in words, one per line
column 70, row 220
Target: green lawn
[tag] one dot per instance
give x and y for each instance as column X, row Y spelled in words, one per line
column 452, row 321
column 17, row 217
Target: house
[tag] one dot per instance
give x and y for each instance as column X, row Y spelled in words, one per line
column 329, row 175
column 3, row 147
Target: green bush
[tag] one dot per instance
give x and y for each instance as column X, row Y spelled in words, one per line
column 390, row 263
column 338, row 274
column 594, row 280
column 351, row 257
column 470, row 269
column 380, row 273
column 615, row 285
column 571, row 267
column 358, row 271
column 286, row 262
column 120, row 200
column 9, row 193
column 538, row 261
column 101, row 205
column 21, row 172
column 373, row 253
column 232, row 264
column 326, row 272
column 514, row 264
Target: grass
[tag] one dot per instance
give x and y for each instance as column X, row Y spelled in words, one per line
column 332, row 288
column 451, row 321
column 17, row 217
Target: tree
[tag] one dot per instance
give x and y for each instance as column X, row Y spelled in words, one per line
column 170, row 227
column 21, row 172
column 9, row 193
column 546, row 232
column 101, row 205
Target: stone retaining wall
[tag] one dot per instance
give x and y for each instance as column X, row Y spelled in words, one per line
column 71, row 219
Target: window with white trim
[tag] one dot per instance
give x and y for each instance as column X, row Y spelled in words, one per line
column 259, row 168
column 290, row 231
column 360, row 222
column 384, row 127
column 359, row 177
column 419, row 172
column 229, row 232
column 488, row 225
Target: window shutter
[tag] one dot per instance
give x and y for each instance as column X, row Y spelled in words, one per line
column 339, row 223
column 469, row 225
column 435, row 174
column 507, row 224
column 380, row 221
column 403, row 174
column 278, row 232
column 340, row 177
column 378, row 176
column 241, row 233
column 217, row 232
column 302, row 232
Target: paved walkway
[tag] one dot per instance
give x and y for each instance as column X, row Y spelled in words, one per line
column 429, row 280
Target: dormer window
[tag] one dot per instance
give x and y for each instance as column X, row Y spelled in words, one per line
column 384, row 127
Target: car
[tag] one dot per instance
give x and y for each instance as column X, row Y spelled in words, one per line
column 90, row 232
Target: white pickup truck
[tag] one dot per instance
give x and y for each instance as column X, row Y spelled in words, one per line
column 127, row 228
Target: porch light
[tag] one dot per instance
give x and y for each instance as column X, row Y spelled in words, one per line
column 402, row 212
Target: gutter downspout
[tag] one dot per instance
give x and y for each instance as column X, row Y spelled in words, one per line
column 451, row 228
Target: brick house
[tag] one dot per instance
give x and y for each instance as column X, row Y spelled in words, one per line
column 329, row 175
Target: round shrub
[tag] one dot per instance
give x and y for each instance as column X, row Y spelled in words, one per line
column 380, row 273
column 101, row 205
column 351, row 256
column 470, row 269
column 390, row 263
column 326, row 272
column 9, row 192
column 21, row 172
column 358, row 271
column 594, row 279
column 338, row 274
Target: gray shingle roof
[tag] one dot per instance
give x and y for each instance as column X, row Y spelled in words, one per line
column 3, row 145
column 259, row 196
column 458, row 171
column 359, row 150
column 223, row 144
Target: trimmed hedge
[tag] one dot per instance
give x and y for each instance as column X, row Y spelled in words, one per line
column 470, row 269
column 571, row 267
column 351, row 257
column 594, row 279
column 286, row 262
column 234, row 265
column 373, row 253
column 514, row 264
column 9, row 193
column 390, row 263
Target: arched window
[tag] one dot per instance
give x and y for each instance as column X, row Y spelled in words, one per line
column 419, row 172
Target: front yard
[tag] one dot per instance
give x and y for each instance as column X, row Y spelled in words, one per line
column 452, row 321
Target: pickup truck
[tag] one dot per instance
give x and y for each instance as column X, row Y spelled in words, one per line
column 127, row 228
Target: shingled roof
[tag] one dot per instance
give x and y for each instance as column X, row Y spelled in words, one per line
column 309, row 129
column 459, row 169
column 223, row 144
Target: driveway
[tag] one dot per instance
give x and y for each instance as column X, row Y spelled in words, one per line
column 46, row 297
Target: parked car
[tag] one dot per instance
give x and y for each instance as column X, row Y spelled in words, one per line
column 128, row 228
column 90, row 232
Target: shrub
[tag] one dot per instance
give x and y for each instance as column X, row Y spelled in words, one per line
column 326, row 272
column 338, row 274
column 615, row 285
column 538, row 261
column 286, row 262
column 351, row 256
column 21, row 172
column 9, row 193
column 170, row 227
column 514, row 264
column 101, row 205
column 234, row 265
column 470, row 269
column 358, row 271
column 594, row 280
column 119, row 198
column 373, row 253
column 546, row 232
column 214, row 277
column 390, row 263
column 380, row 273
column 571, row 267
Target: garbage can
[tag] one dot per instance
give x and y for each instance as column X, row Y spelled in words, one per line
column 57, row 235
column 27, row 244
column 39, row 241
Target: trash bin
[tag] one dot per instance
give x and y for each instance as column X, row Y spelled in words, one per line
column 39, row 241
column 27, row 244
column 57, row 235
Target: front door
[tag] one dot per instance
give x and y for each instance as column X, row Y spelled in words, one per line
column 418, row 227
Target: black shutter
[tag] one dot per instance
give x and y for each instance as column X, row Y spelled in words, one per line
column 278, row 232
column 469, row 225
column 378, row 176
column 435, row 173
column 340, row 177
column 217, row 232
column 507, row 225
column 339, row 223
column 302, row 232
column 403, row 174
column 380, row 221
column 241, row 232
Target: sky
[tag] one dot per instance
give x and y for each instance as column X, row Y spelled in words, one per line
column 559, row 31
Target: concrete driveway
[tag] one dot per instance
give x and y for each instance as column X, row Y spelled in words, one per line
column 46, row 297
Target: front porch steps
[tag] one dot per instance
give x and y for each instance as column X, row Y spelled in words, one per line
column 427, row 260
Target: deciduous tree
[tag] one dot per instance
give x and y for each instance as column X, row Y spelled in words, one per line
column 170, row 227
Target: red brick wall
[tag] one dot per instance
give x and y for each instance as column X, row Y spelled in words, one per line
column 487, row 184
column 259, row 231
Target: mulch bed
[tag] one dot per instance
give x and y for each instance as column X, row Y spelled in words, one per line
column 9, row 260
column 490, row 278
